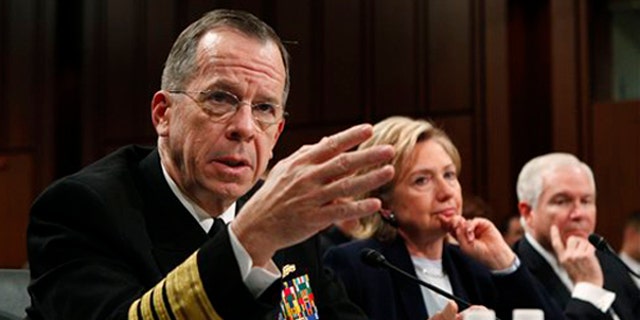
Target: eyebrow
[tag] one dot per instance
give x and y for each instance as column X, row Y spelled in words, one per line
column 233, row 88
column 432, row 170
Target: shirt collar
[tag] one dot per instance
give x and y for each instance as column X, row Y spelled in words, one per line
column 551, row 260
column 201, row 216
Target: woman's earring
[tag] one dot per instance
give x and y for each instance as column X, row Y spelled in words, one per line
column 389, row 217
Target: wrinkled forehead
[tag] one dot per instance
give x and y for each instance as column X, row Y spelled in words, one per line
column 227, row 48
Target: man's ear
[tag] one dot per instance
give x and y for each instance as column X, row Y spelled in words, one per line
column 160, row 112
column 525, row 211
column 279, row 131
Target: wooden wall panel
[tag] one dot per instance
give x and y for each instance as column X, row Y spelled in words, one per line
column 394, row 46
column 460, row 130
column 616, row 160
column 565, row 76
column 449, row 55
column 344, row 58
column 529, row 84
column 16, row 193
column 126, row 106
column 497, row 181
column 20, row 39
column 294, row 25
column 26, row 95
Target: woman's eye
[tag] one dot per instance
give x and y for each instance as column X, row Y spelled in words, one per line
column 450, row 175
column 421, row 181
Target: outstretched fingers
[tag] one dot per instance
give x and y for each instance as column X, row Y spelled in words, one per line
column 347, row 163
column 335, row 144
column 349, row 186
column 352, row 209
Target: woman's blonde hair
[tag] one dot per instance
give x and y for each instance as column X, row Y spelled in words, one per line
column 402, row 133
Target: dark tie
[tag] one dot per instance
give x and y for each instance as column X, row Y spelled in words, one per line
column 218, row 225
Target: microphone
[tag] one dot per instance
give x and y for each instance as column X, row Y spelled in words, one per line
column 375, row 259
column 601, row 244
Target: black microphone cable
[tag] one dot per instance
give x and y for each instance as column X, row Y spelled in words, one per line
column 376, row 259
column 601, row 244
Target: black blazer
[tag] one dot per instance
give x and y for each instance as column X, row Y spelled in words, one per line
column 385, row 295
column 616, row 279
column 99, row 239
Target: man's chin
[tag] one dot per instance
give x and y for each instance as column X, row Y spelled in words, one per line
column 231, row 190
column 577, row 233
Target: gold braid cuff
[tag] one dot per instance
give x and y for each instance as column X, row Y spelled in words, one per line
column 185, row 296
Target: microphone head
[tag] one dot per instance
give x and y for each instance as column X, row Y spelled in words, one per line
column 598, row 241
column 372, row 257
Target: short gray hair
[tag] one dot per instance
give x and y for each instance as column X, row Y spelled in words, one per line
column 181, row 63
column 531, row 177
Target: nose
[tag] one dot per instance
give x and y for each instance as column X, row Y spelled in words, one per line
column 578, row 210
column 241, row 126
column 445, row 189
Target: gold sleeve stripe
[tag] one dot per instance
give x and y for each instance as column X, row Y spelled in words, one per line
column 179, row 296
column 165, row 301
column 161, row 311
column 145, row 304
column 134, row 310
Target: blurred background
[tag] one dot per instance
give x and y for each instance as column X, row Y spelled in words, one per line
column 507, row 79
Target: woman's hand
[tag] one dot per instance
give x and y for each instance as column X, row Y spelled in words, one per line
column 480, row 239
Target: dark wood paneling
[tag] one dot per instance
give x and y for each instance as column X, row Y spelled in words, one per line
column 450, row 51
column 126, row 109
column 343, row 61
column 498, row 172
column 395, row 54
column 16, row 192
column 601, row 49
column 26, row 125
column 20, row 39
column 529, row 81
column 460, row 130
column 294, row 25
column 564, row 40
column 615, row 165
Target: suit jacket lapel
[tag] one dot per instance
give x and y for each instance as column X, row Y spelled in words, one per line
column 166, row 218
column 409, row 292
column 456, row 276
column 539, row 267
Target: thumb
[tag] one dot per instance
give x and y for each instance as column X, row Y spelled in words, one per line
column 450, row 310
column 556, row 241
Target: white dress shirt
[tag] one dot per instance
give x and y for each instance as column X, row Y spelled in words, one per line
column 597, row 296
column 633, row 265
column 255, row 278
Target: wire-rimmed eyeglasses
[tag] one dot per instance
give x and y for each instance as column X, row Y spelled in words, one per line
column 221, row 105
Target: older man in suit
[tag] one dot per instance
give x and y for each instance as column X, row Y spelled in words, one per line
column 557, row 199
column 141, row 233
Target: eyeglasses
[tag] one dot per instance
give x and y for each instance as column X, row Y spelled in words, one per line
column 222, row 105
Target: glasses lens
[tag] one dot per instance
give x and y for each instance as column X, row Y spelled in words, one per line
column 220, row 103
column 267, row 113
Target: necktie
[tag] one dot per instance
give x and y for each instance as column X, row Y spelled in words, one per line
column 218, row 225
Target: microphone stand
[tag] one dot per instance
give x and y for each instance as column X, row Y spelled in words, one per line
column 376, row 259
column 463, row 304
column 601, row 244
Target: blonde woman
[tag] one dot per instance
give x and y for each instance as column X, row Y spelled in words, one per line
column 421, row 205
